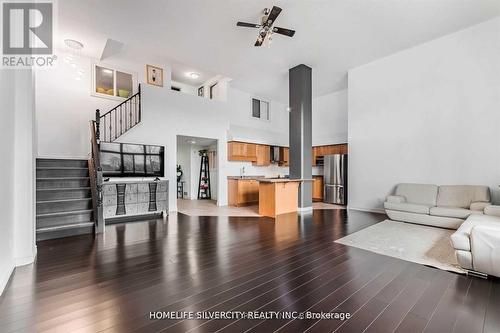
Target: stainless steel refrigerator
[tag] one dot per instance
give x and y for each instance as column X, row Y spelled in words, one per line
column 335, row 178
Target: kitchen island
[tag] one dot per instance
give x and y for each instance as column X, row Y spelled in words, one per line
column 278, row 196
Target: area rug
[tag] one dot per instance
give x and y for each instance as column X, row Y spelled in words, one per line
column 411, row 242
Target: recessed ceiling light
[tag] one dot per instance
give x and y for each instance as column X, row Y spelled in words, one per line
column 73, row 44
column 193, row 75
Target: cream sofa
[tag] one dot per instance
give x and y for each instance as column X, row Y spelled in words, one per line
column 445, row 206
column 466, row 208
column 477, row 242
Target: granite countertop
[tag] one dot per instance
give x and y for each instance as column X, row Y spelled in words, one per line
column 121, row 180
column 282, row 180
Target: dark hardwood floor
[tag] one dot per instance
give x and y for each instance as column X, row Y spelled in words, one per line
column 112, row 282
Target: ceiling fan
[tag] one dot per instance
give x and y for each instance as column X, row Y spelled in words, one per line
column 267, row 28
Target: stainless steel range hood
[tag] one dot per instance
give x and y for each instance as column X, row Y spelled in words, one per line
column 276, row 156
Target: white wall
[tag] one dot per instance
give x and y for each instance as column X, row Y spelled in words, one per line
column 185, row 88
column 7, row 135
column 430, row 114
column 168, row 114
column 184, row 160
column 64, row 106
column 17, row 236
column 25, row 170
column 329, row 119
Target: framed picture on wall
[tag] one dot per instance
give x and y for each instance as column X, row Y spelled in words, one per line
column 201, row 91
column 154, row 75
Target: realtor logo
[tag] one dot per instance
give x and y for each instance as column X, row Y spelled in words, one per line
column 27, row 28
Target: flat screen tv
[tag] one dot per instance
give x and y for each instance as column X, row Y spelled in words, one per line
column 131, row 160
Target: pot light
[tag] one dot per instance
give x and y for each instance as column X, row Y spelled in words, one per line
column 193, row 75
column 73, row 44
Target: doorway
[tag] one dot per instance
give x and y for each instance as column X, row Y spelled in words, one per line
column 191, row 192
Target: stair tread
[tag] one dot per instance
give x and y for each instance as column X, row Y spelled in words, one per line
column 59, row 168
column 61, row 178
column 59, row 159
column 65, row 200
column 66, row 226
column 72, row 212
column 63, row 189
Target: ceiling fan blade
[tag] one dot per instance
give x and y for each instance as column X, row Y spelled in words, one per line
column 273, row 15
column 259, row 42
column 248, row 25
column 283, row 31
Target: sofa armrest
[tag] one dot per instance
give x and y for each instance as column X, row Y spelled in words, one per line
column 485, row 249
column 396, row 199
column 479, row 206
column 493, row 210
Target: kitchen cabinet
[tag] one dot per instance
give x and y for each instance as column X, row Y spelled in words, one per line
column 242, row 192
column 317, row 188
column 241, row 151
column 328, row 150
column 263, row 153
column 285, row 153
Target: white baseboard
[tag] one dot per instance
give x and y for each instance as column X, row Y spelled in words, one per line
column 4, row 279
column 26, row 260
column 369, row 210
column 304, row 209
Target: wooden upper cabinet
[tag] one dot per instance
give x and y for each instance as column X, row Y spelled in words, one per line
column 263, row 153
column 285, row 153
column 241, row 151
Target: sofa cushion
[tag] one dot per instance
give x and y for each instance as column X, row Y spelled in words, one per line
column 460, row 213
column 479, row 206
column 407, row 207
column 461, row 238
column 421, row 194
column 462, row 195
column 396, row 199
column 493, row 210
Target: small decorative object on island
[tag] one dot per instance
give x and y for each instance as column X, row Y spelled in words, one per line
column 204, row 187
column 154, row 75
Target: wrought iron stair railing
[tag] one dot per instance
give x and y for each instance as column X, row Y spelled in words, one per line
column 109, row 127
column 120, row 119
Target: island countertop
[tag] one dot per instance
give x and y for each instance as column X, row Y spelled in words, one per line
column 282, row 180
column 245, row 177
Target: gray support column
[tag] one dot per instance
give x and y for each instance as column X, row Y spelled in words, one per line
column 300, row 132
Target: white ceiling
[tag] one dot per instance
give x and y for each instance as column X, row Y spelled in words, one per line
column 180, row 74
column 332, row 35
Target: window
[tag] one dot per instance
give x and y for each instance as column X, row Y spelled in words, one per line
column 260, row 109
column 110, row 82
column 131, row 160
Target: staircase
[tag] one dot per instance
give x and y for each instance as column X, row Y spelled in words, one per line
column 63, row 198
